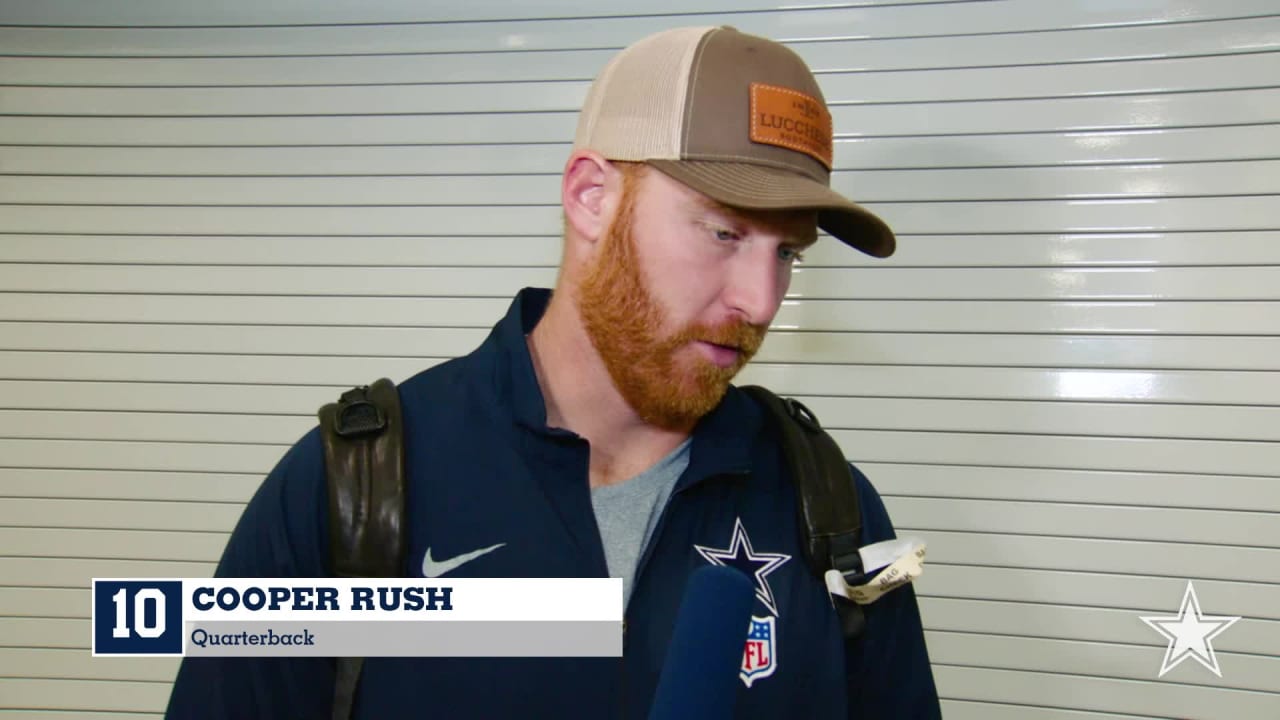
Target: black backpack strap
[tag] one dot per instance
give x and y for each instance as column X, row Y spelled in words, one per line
column 826, row 498
column 363, row 438
column 345, row 679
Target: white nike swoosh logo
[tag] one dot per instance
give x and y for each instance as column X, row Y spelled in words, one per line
column 432, row 568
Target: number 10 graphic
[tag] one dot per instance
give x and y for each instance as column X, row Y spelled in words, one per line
column 140, row 599
column 137, row 617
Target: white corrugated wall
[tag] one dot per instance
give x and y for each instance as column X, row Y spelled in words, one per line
column 213, row 216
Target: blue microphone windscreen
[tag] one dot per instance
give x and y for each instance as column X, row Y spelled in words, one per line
column 700, row 677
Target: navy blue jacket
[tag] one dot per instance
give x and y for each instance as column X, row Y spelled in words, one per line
column 484, row 469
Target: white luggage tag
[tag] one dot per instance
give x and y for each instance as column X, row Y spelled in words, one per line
column 902, row 560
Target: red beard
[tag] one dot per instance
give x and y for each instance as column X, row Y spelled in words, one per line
column 623, row 320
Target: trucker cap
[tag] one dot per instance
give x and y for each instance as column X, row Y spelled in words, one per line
column 737, row 117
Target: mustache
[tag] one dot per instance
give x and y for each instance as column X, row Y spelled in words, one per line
column 744, row 336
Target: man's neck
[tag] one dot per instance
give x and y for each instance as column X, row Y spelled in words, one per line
column 581, row 397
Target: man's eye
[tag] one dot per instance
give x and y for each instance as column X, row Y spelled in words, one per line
column 725, row 235
column 790, row 254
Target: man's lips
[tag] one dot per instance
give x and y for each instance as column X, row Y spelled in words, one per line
column 721, row 355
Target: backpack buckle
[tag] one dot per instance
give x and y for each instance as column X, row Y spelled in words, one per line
column 357, row 416
column 847, row 559
column 802, row 414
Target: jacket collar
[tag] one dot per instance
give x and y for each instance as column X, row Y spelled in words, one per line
column 722, row 440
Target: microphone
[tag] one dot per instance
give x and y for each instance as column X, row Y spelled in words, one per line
column 700, row 676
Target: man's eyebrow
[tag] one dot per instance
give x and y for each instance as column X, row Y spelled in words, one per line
column 798, row 241
column 705, row 203
column 803, row 242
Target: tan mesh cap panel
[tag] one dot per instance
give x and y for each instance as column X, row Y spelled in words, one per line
column 635, row 108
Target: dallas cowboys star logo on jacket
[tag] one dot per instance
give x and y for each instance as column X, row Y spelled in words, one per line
column 756, row 565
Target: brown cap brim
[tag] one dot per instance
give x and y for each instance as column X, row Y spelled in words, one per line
column 758, row 187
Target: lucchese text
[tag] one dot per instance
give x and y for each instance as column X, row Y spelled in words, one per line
column 811, row 133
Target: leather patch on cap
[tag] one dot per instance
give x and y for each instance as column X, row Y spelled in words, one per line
column 790, row 119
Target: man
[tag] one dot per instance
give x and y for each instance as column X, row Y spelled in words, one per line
column 595, row 433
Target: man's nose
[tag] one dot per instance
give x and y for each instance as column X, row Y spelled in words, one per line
column 756, row 286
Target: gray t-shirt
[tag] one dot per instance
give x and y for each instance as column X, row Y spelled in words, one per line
column 627, row 513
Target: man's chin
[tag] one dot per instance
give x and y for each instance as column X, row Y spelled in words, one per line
column 705, row 396
column 680, row 403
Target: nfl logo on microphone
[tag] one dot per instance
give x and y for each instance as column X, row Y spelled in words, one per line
column 759, row 658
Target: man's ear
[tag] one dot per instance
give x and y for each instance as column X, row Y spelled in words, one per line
column 587, row 194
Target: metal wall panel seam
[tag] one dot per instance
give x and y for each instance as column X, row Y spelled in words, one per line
column 845, row 23
column 1045, row 150
column 1057, row 249
column 188, row 13
column 1115, row 181
column 826, row 57
column 969, row 119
